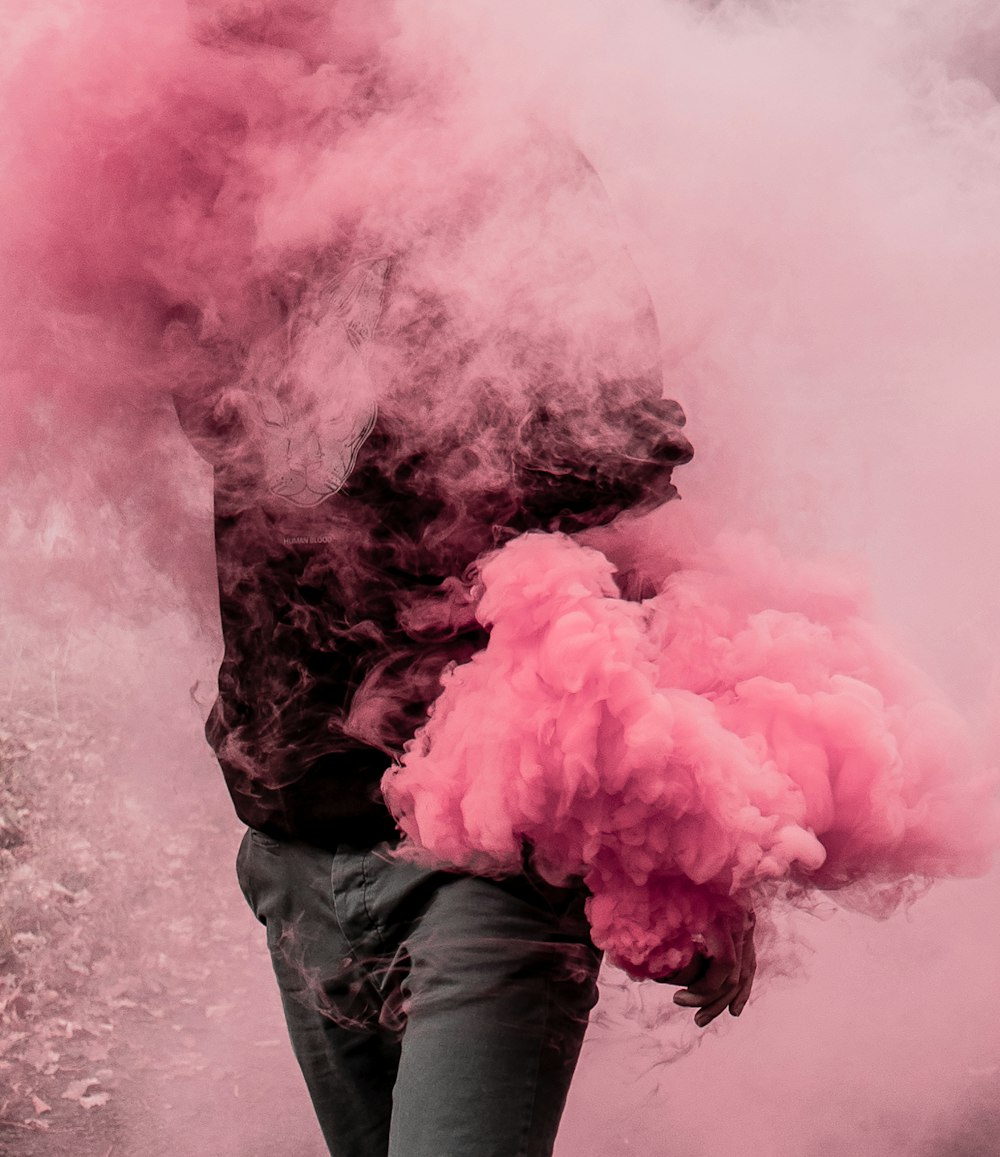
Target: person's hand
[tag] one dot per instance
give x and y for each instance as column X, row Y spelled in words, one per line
column 723, row 980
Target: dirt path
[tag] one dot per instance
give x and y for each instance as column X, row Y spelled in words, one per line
column 137, row 1011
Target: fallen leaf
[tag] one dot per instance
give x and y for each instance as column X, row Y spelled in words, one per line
column 8, row 1042
column 77, row 1089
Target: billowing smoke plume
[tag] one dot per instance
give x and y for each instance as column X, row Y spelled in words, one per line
column 222, row 214
column 195, row 196
column 742, row 728
column 353, row 284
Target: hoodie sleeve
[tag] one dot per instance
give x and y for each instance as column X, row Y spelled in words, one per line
column 579, row 474
column 602, row 438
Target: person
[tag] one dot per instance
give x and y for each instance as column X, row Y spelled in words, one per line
column 433, row 1013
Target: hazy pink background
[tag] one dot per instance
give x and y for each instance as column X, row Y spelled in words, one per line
column 810, row 190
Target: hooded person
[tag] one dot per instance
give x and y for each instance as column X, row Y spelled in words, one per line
column 403, row 332
column 346, row 523
column 379, row 435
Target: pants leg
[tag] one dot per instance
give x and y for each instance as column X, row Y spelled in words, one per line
column 332, row 1009
column 498, row 993
column 433, row 1014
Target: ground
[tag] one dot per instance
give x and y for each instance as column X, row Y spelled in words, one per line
column 137, row 1017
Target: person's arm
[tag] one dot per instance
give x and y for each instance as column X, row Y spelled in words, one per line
column 581, row 475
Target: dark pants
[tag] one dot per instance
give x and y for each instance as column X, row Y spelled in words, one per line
column 433, row 1014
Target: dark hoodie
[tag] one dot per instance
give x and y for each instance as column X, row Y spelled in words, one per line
column 345, row 530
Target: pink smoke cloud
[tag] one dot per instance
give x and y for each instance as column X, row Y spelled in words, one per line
column 810, row 190
column 743, row 727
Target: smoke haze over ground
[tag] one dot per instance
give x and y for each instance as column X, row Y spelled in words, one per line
column 810, row 192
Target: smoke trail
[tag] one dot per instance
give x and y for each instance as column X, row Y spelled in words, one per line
column 263, row 200
column 808, row 189
column 743, row 726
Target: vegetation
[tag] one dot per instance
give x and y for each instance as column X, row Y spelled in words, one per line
column 136, row 1011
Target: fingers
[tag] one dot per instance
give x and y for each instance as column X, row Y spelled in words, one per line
column 705, row 1015
column 727, row 981
column 710, row 995
column 747, row 972
column 689, row 975
column 708, row 987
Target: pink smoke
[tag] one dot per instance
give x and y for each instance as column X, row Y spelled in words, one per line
column 810, row 190
column 744, row 727
column 180, row 197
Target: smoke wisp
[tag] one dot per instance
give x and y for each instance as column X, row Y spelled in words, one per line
column 215, row 213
